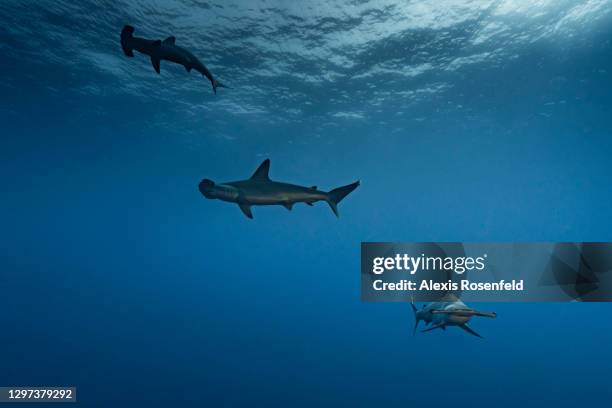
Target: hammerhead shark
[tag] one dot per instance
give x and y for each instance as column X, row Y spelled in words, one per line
column 164, row 50
column 260, row 190
column 449, row 311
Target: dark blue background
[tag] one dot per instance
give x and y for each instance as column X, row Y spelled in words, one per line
column 119, row 278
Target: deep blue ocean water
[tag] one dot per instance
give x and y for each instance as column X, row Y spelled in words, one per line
column 464, row 121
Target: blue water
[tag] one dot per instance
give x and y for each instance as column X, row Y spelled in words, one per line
column 467, row 121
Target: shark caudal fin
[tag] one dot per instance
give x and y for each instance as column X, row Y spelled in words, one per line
column 126, row 36
column 337, row 194
column 216, row 84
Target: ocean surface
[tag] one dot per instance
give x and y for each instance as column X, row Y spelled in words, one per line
column 463, row 120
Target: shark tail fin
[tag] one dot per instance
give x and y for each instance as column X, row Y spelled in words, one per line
column 126, row 36
column 337, row 194
column 216, row 84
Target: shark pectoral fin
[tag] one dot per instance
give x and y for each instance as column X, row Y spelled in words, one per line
column 155, row 55
column 246, row 209
column 437, row 326
column 288, row 206
column 170, row 40
column 334, row 208
column 155, row 62
column 469, row 330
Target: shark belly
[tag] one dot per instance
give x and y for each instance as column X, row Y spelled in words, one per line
column 272, row 193
column 457, row 320
column 169, row 54
column 141, row 45
column 263, row 198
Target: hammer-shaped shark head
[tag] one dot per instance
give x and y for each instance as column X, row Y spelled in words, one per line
column 225, row 192
column 207, row 188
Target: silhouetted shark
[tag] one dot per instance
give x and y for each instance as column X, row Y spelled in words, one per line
column 164, row 50
column 260, row 190
column 450, row 311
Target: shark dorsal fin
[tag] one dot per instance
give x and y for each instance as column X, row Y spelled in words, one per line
column 262, row 171
column 170, row 40
column 157, row 43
